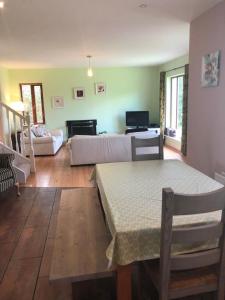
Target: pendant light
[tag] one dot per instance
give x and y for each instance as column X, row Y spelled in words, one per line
column 89, row 71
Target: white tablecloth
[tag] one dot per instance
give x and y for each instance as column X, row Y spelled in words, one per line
column 131, row 194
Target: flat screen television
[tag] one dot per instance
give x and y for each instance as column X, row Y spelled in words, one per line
column 137, row 118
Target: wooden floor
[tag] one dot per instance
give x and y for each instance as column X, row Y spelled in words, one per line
column 26, row 239
column 55, row 171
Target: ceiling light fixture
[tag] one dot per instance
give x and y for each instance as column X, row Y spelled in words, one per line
column 89, row 71
column 2, row 4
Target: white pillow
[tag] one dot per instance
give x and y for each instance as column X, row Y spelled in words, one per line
column 39, row 130
column 26, row 134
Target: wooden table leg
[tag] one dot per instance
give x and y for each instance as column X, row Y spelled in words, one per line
column 124, row 284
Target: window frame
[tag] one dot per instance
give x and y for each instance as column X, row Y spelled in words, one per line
column 32, row 85
column 171, row 100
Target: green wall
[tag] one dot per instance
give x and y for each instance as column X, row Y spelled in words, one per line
column 131, row 88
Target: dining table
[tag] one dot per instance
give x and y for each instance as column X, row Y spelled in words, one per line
column 131, row 197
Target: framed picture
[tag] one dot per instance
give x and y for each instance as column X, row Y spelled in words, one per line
column 210, row 69
column 100, row 88
column 79, row 93
column 58, row 102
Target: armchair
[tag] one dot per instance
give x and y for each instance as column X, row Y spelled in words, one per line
column 7, row 174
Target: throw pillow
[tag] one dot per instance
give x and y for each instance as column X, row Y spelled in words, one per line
column 39, row 130
column 26, row 134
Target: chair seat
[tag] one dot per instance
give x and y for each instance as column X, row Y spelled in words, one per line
column 5, row 173
column 185, row 283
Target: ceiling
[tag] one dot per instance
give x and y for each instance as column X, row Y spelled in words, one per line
column 57, row 33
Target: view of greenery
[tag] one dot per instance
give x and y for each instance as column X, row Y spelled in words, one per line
column 27, row 99
column 38, row 102
column 32, row 98
column 174, row 107
column 180, row 101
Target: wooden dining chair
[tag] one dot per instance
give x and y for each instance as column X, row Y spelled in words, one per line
column 144, row 143
column 177, row 276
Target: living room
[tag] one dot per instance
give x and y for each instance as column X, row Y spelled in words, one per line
column 126, row 89
column 97, row 61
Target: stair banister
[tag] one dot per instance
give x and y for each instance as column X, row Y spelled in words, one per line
column 22, row 121
column 31, row 150
column 22, row 147
column 9, row 129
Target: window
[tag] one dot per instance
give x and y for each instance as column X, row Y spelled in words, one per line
column 32, row 96
column 174, row 104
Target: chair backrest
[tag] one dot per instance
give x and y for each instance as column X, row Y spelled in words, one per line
column 143, row 143
column 178, row 204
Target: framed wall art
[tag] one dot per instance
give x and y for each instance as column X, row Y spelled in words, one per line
column 58, row 102
column 210, row 69
column 79, row 93
column 100, row 88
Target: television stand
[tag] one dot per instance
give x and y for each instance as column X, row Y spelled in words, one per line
column 138, row 129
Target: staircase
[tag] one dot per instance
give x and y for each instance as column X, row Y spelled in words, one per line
column 13, row 123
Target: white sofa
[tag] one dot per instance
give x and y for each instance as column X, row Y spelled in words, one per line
column 105, row 148
column 46, row 145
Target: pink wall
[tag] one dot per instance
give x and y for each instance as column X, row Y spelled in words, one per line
column 206, row 116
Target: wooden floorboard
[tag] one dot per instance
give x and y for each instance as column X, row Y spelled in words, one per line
column 55, row 171
column 80, row 211
column 15, row 209
column 6, row 251
column 10, row 230
column 46, row 259
column 52, row 291
column 23, row 241
column 52, row 226
column 31, row 243
column 41, row 211
column 20, row 279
